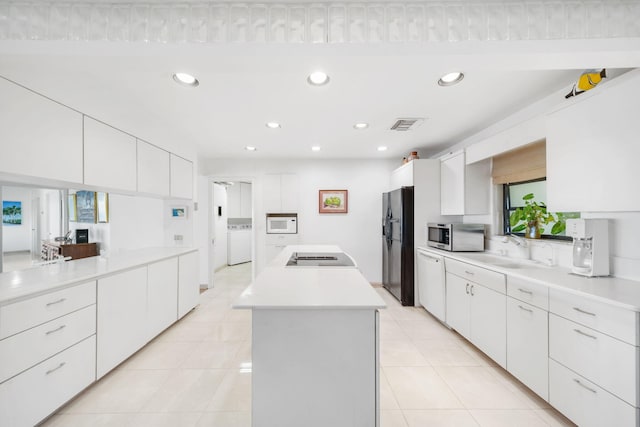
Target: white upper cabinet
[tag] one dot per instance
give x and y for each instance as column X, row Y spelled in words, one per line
column 181, row 178
column 593, row 150
column 464, row 187
column 402, row 176
column 239, row 200
column 109, row 157
column 40, row 138
column 153, row 170
column 281, row 193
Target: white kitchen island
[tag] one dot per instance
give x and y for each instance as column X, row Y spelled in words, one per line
column 314, row 345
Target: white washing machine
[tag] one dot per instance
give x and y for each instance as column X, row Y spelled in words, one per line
column 238, row 246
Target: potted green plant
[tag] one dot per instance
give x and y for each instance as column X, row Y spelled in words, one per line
column 533, row 216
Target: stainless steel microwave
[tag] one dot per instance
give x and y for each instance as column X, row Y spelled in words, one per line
column 282, row 223
column 456, row 237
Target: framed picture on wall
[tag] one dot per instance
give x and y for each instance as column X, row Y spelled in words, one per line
column 102, row 206
column 11, row 213
column 333, row 201
column 179, row 212
column 86, row 206
column 73, row 212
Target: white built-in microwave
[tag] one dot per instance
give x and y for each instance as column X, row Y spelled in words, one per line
column 282, row 223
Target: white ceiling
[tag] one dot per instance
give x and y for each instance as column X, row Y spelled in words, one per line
column 130, row 86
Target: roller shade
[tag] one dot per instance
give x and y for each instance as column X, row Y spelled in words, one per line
column 523, row 164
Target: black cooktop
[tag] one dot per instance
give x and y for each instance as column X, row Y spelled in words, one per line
column 319, row 259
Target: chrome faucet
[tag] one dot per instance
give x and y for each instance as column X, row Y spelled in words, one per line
column 519, row 241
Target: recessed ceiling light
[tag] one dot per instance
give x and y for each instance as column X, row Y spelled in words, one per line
column 250, row 148
column 315, row 148
column 186, row 79
column 450, row 79
column 273, row 125
column 382, row 148
column 318, row 78
column 361, row 126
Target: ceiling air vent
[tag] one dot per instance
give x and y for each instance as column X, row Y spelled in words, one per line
column 402, row 125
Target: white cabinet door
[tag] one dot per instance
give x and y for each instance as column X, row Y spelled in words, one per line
column 431, row 286
column 234, row 199
column 458, row 304
column 489, row 322
column 153, row 170
column 40, row 138
column 452, row 181
column 122, row 317
column 181, row 178
column 162, row 296
column 528, row 345
column 593, row 150
column 188, row 287
column 402, row 177
column 109, row 157
column 245, row 200
column 272, row 201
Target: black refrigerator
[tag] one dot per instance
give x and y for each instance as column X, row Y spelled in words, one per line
column 397, row 243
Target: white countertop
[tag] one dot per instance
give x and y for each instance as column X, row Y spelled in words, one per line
column 612, row 290
column 22, row 284
column 281, row 287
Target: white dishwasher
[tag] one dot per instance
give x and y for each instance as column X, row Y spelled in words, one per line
column 431, row 283
column 238, row 246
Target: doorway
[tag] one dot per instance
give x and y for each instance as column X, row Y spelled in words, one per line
column 232, row 236
column 29, row 217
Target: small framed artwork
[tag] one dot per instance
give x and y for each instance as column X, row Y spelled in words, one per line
column 333, row 201
column 73, row 212
column 102, row 206
column 86, row 206
column 11, row 213
column 179, row 212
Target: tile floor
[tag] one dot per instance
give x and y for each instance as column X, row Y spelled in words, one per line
column 197, row 373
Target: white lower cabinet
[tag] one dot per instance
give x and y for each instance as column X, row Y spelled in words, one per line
column 122, row 316
column 585, row 403
column 479, row 314
column 162, row 296
column 188, row 286
column 28, row 398
column 527, row 345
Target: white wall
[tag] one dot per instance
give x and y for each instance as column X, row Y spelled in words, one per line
column 135, row 222
column 219, row 193
column 201, row 223
column 18, row 237
column 357, row 232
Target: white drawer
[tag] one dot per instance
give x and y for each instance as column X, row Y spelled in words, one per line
column 529, row 292
column 585, row 403
column 605, row 318
column 487, row 278
column 606, row 361
column 28, row 398
column 21, row 351
column 26, row 314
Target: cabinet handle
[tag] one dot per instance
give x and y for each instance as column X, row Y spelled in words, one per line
column 56, row 302
column 467, row 289
column 577, row 381
column 525, row 309
column 50, row 371
column 471, row 290
column 579, row 310
column 585, row 334
column 56, row 329
column 469, row 272
column 525, row 291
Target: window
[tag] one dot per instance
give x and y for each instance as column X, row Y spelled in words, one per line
column 517, row 194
